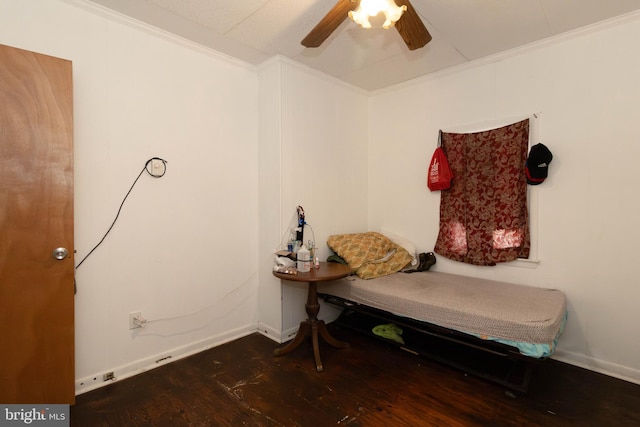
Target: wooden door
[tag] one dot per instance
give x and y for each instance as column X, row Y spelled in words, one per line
column 36, row 216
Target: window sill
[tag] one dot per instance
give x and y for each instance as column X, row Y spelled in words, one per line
column 523, row 263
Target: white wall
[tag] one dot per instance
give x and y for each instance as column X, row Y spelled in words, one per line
column 184, row 250
column 316, row 156
column 585, row 90
column 270, row 208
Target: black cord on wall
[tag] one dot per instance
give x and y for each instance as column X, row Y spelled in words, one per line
column 151, row 173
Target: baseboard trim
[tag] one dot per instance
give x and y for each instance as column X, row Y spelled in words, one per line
column 96, row 381
column 276, row 335
column 624, row 373
column 269, row 332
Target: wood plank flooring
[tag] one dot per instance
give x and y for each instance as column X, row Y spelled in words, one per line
column 370, row 384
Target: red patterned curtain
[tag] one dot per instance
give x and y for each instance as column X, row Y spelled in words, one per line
column 483, row 215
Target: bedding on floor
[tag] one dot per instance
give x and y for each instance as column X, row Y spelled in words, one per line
column 528, row 318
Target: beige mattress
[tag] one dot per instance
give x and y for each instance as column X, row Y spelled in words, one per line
column 477, row 306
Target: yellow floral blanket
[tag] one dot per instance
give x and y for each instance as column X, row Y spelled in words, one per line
column 370, row 254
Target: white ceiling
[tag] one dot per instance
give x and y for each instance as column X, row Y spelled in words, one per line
column 462, row 30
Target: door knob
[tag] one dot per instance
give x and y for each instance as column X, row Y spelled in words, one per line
column 60, row 253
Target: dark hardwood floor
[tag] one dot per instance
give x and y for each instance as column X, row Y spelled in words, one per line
column 369, row 384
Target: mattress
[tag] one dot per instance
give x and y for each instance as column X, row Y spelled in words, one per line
column 527, row 317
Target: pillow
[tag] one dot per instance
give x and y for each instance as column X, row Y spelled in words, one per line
column 405, row 243
column 370, row 254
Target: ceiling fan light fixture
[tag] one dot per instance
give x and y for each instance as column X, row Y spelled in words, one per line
column 368, row 8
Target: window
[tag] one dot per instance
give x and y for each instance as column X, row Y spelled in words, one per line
column 483, row 216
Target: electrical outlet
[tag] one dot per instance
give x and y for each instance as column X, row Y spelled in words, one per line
column 135, row 320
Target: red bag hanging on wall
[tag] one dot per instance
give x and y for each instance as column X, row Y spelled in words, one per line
column 440, row 175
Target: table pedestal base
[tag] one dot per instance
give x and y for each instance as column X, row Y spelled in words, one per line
column 314, row 328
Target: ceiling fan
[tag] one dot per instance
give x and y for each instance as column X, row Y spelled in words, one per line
column 410, row 26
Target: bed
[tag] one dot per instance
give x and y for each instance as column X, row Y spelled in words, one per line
column 528, row 318
column 437, row 311
column 491, row 329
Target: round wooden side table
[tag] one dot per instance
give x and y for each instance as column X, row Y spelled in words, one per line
column 312, row 326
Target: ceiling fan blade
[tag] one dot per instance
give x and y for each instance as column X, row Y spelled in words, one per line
column 330, row 22
column 411, row 27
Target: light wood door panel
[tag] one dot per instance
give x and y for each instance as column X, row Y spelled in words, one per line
column 36, row 216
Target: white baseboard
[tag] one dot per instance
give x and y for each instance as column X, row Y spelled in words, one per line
column 269, row 332
column 606, row 368
column 289, row 334
column 93, row 382
column 276, row 335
